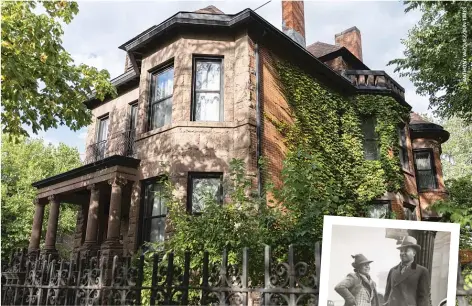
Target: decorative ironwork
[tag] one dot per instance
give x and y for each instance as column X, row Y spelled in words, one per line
column 123, row 144
column 95, row 279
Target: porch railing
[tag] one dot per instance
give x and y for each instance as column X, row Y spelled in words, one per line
column 122, row 143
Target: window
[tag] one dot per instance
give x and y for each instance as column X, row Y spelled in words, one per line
column 131, row 133
column 207, row 87
column 162, row 90
column 155, row 212
column 102, row 135
column 425, row 175
column 201, row 187
column 403, row 148
column 379, row 210
column 409, row 211
column 371, row 145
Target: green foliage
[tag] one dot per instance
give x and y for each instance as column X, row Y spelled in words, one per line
column 458, row 207
column 434, row 58
column 457, row 151
column 325, row 171
column 23, row 163
column 41, row 86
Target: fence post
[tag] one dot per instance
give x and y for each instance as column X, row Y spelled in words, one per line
column 223, row 276
column 139, row 281
column 170, row 274
column 154, row 284
column 203, row 298
column 291, row 275
column 186, row 278
column 244, row 276
column 266, row 275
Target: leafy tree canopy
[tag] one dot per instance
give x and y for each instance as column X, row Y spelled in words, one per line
column 457, row 151
column 23, row 163
column 438, row 56
column 41, row 86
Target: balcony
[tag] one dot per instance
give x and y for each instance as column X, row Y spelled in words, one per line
column 374, row 80
column 122, row 144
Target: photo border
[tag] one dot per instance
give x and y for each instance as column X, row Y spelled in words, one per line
column 329, row 221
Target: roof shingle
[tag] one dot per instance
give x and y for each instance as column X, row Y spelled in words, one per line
column 319, row 48
column 211, row 9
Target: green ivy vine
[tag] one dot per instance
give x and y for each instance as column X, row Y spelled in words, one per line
column 327, row 127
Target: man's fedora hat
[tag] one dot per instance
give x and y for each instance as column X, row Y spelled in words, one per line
column 409, row 242
column 359, row 259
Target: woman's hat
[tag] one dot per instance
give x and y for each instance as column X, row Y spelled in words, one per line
column 409, row 242
column 359, row 259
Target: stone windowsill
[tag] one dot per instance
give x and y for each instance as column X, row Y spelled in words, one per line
column 195, row 124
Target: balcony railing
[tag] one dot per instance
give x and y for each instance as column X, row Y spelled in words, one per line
column 374, row 80
column 118, row 144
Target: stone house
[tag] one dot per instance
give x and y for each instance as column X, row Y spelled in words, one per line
column 191, row 98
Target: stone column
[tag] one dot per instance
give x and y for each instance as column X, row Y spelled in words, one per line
column 90, row 242
column 35, row 239
column 50, row 245
column 114, row 222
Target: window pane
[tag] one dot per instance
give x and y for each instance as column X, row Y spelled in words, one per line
column 423, row 160
column 204, row 188
column 371, row 149
column 207, row 107
column 164, row 84
column 103, row 129
column 158, row 226
column 161, row 113
column 133, row 115
column 379, row 211
column 402, row 137
column 426, row 179
column 368, row 128
column 158, row 201
column 207, row 75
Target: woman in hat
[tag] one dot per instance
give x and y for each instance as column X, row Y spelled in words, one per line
column 358, row 288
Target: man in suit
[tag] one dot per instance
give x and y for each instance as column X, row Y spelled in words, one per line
column 408, row 283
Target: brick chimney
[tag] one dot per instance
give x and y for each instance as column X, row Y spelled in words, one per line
column 351, row 40
column 293, row 21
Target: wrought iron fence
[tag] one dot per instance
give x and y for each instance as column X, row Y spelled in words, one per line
column 122, row 143
column 92, row 280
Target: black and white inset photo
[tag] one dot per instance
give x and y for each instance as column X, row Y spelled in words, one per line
column 375, row 262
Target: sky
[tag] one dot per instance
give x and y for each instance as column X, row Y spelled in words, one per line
column 100, row 27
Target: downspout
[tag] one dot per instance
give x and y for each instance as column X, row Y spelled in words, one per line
column 258, row 122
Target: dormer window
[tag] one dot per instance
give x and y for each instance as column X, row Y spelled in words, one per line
column 370, row 141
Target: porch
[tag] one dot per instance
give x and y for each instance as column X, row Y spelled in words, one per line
column 101, row 189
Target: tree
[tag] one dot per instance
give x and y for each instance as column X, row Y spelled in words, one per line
column 457, row 151
column 23, row 163
column 438, row 57
column 41, row 86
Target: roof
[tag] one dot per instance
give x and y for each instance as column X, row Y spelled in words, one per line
column 319, row 48
column 417, row 119
column 421, row 128
column 211, row 9
column 260, row 30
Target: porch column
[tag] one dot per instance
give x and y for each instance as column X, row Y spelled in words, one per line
column 114, row 222
column 33, row 247
column 50, row 245
column 92, row 218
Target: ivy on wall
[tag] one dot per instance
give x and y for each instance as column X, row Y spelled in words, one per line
column 327, row 133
